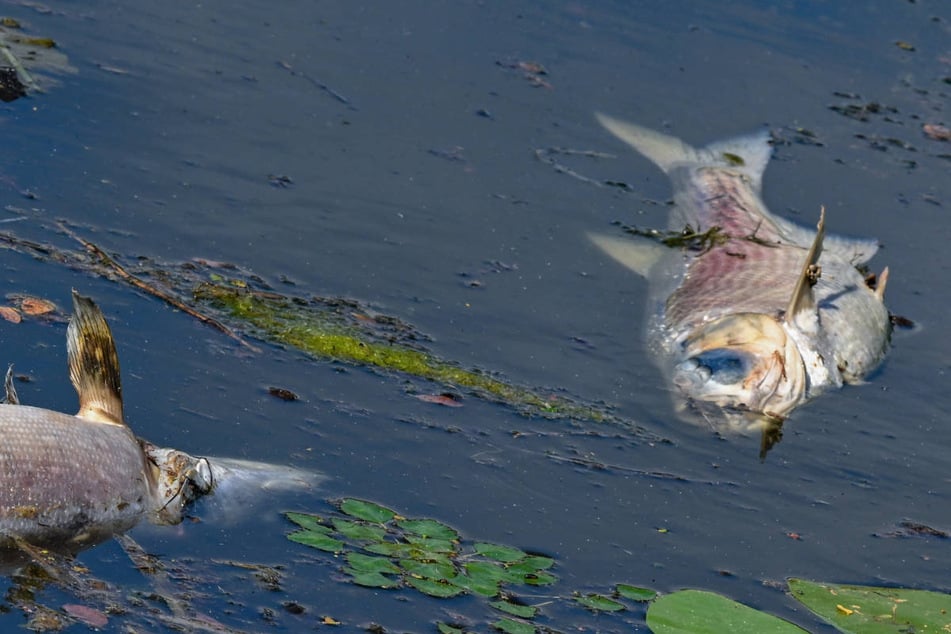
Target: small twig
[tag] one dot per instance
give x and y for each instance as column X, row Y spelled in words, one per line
column 148, row 288
column 547, row 155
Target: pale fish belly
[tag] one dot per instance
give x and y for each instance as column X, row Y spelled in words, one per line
column 749, row 267
column 67, row 478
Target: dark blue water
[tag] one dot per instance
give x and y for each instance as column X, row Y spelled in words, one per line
column 408, row 133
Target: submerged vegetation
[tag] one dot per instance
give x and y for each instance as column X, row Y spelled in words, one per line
column 243, row 305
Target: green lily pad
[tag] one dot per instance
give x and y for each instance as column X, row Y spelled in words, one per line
column 371, row 579
column 429, row 528
column 599, row 602
column 505, row 554
column 390, row 549
column 363, row 510
column 369, row 563
column 317, row 540
column 439, row 589
column 524, row 611
column 539, row 579
column 428, row 569
column 701, row 612
column 875, row 610
column 514, row 627
column 445, row 628
column 358, row 531
column 431, row 544
column 634, row 593
column 308, row 522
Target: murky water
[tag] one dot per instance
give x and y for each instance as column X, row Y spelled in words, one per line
column 386, row 152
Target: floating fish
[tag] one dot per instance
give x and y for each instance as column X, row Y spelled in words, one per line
column 751, row 315
column 72, row 481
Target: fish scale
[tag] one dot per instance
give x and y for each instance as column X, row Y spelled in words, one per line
column 46, row 494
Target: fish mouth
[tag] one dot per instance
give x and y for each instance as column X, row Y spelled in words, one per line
column 176, row 479
column 745, row 363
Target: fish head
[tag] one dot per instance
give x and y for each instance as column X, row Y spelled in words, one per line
column 743, row 363
column 177, row 479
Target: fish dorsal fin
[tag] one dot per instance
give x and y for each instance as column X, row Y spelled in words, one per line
column 93, row 363
column 803, row 301
column 637, row 253
column 11, row 397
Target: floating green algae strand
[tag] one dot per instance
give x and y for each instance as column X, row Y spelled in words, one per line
column 327, row 333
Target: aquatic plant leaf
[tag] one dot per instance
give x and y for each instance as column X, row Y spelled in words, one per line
column 369, row 563
column 428, row 569
column 514, row 627
column 539, row 579
column 482, row 578
column 439, row 589
column 317, row 540
column 358, row 530
column 529, row 566
column 445, row 628
column 308, row 522
column 428, row 528
column 361, row 509
column 500, row 553
column 599, row 602
column 431, row 545
column 391, row 549
column 635, row 593
column 371, row 579
column 524, row 611
column 701, row 612
column 875, row 610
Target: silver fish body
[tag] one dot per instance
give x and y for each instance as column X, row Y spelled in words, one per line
column 71, row 481
column 759, row 314
column 50, row 490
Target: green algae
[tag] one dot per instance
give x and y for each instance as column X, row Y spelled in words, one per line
column 338, row 330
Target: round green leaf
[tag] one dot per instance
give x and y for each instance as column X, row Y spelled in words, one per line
column 874, row 610
column 514, row 627
column 438, row 589
column 361, row 509
column 482, row 578
column 524, row 611
column 539, row 579
column 500, row 553
column 317, row 540
column 445, row 628
column 428, row 569
column 369, row 563
column 431, row 544
column 371, row 579
column 390, row 549
column 700, row 612
column 308, row 522
column 358, row 531
column 428, row 528
column 634, row 593
column 599, row 602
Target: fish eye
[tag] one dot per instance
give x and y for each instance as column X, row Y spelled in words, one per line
column 725, row 366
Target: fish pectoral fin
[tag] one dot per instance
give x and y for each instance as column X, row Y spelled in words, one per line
column 93, row 363
column 11, row 397
column 637, row 253
column 803, row 300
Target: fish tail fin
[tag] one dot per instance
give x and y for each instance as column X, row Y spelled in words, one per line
column 748, row 154
column 93, row 363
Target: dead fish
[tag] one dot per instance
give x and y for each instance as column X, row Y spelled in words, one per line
column 72, row 481
column 761, row 315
